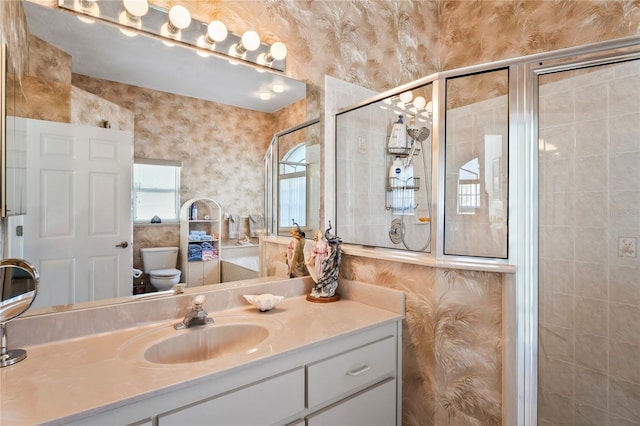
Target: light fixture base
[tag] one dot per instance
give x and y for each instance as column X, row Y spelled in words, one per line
column 186, row 32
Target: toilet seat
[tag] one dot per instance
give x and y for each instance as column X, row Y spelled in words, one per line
column 164, row 273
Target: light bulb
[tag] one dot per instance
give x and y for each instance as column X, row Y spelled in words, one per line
column 277, row 88
column 179, row 17
column 202, row 43
column 278, row 51
column 86, row 20
column 217, row 31
column 429, row 107
column 136, row 8
column 166, row 34
column 250, row 40
column 419, row 102
column 128, row 33
column 265, row 96
column 406, row 97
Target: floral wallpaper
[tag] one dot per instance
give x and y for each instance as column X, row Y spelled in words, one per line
column 453, row 333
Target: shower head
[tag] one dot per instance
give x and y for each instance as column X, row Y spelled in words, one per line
column 420, row 134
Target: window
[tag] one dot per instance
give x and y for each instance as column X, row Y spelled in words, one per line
column 469, row 187
column 156, row 190
column 293, row 187
column 476, row 164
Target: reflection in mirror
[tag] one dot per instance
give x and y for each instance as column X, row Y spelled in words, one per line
column 18, row 289
column 476, row 162
column 14, row 184
column 156, row 190
column 208, row 115
column 383, row 172
column 296, row 178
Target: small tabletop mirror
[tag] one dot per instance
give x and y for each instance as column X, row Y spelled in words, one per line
column 18, row 288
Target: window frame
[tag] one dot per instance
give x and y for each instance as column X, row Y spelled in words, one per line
column 299, row 171
column 135, row 188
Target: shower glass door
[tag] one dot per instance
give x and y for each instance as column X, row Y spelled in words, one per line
column 589, row 238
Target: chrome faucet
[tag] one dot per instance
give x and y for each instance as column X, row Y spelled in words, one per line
column 196, row 316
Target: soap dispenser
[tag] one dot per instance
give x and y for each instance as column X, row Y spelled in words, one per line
column 398, row 137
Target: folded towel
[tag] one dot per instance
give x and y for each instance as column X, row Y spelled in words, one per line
column 194, row 253
column 256, row 223
column 234, row 223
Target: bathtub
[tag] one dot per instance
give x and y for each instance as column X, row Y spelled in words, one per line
column 240, row 268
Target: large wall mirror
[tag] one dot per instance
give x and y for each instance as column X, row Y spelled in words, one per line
column 175, row 105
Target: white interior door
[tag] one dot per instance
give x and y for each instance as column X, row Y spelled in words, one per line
column 78, row 211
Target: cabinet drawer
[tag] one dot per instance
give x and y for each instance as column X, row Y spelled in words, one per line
column 336, row 376
column 263, row 403
column 373, row 407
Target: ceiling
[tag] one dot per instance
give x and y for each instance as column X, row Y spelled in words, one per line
column 102, row 51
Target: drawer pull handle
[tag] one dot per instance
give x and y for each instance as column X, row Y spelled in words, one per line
column 359, row 371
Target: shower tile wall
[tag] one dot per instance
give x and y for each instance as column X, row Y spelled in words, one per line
column 361, row 171
column 589, row 293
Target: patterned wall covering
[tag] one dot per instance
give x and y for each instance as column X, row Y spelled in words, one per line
column 452, row 340
column 14, row 35
column 452, row 337
column 379, row 45
column 221, row 146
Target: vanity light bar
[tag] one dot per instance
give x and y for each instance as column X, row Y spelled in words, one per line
column 177, row 26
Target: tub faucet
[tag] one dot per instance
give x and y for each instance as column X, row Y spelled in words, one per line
column 196, row 316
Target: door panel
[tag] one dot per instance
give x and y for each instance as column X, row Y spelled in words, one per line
column 79, row 205
column 589, row 227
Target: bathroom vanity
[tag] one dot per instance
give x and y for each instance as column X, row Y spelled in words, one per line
column 301, row 363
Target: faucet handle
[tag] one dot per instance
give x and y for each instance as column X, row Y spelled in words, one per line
column 198, row 301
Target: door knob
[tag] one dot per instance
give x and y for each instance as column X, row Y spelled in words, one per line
column 123, row 244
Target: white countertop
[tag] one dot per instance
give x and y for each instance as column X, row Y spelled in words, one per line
column 68, row 379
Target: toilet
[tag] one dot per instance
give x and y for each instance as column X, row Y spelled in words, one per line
column 159, row 263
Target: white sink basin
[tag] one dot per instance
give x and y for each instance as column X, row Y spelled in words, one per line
column 229, row 339
column 206, row 342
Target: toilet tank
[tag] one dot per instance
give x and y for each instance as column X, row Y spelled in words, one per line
column 154, row 258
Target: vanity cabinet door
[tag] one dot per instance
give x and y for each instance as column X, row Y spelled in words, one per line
column 264, row 403
column 195, row 276
column 371, row 407
column 211, row 272
column 203, row 273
